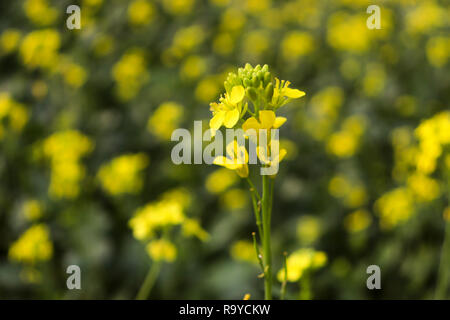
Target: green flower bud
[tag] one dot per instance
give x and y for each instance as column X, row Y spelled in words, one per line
column 255, row 81
column 265, row 68
column 268, row 92
column 267, row 78
column 247, row 82
column 252, row 94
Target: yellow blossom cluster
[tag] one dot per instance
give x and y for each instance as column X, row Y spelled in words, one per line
column 415, row 163
column 130, row 73
column 301, row 261
column 33, row 246
column 165, row 119
column 64, row 149
column 154, row 223
column 13, row 115
column 123, row 174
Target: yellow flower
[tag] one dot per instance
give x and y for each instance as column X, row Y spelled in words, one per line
column 267, row 120
column 243, row 250
column 130, row 73
column 301, row 261
column 357, row 221
column 220, row 180
column 192, row 227
column 32, row 209
column 9, row 40
column 234, row 199
column 162, row 250
column 152, row 217
column 228, row 111
column 395, row 207
column 140, row 12
column 39, row 12
column 40, row 49
column 165, row 120
column 237, row 159
column 122, row 174
column 34, row 245
column 282, row 94
column 64, row 149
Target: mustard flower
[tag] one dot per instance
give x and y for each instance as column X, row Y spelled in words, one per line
column 229, row 110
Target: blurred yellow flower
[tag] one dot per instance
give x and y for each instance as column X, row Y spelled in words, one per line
column 9, row 40
column 309, row 229
column 165, row 120
column 162, row 250
column 234, row 199
column 39, row 12
column 14, row 111
column 345, row 142
column 220, row 180
column 193, row 67
column 357, row 220
column 243, row 250
column 64, row 149
column 130, row 73
column 141, row 12
column 300, row 261
column 374, row 80
column 296, row 44
column 123, row 174
column 178, row 7
column 39, row 49
column 348, row 32
column 438, row 51
column 74, row 74
column 395, row 207
column 191, row 227
column 32, row 209
column 153, row 216
column 33, row 246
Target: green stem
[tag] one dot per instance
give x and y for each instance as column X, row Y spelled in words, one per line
column 256, row 200
column 266, row 215
column 443, row 274
column 149, row 281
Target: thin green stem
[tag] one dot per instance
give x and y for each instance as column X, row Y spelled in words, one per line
column 256, row 201
column 267, row 255
column 149, row 281
column 258, row 253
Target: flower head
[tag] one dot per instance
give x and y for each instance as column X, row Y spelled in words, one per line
column 228, row 111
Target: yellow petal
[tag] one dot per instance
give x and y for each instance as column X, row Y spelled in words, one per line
column 279, row 121
column 217, row 120
column 251, row 123
column 225, row 162
column 231, row 117
column 237, row 94
column 293, row 93
column 267, row 118
column 242, row 171
column 282, row 154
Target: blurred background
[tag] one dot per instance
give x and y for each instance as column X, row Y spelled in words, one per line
column 86, row 176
